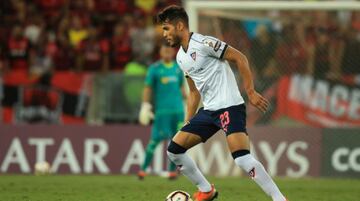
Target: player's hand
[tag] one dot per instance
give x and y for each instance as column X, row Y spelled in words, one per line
column 145, row 113
column 258, row 101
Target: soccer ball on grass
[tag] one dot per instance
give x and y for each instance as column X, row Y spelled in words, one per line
column 42, row 168
column 178, row 195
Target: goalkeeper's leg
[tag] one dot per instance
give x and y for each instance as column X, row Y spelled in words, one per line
column 149, row 153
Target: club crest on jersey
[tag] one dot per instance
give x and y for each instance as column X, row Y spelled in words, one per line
column 193, row 56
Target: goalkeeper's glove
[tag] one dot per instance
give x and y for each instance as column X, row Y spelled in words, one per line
column 145, row 113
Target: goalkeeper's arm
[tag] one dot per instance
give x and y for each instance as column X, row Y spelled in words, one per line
column 146, row 113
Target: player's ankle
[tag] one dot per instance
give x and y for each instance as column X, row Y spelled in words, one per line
column 279, row 198
column 207, row 189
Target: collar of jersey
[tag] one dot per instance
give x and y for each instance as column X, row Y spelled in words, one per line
column 191, row 33
column 168, row 64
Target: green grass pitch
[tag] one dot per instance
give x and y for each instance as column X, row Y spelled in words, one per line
column 128, row 188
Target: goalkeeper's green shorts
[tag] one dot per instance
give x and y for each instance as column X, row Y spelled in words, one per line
column 166, row 125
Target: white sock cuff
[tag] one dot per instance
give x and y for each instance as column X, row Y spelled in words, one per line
column 246, row 162
column 175, row 158
column 190, row 170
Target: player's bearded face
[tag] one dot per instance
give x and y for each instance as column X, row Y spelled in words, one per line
column 176, row 41
column 170, row 35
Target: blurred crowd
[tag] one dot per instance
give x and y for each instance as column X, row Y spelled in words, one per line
column 45, row 37
column 322, row 44
column 42, row 36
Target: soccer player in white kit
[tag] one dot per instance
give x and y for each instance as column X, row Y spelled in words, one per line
column 204, row 60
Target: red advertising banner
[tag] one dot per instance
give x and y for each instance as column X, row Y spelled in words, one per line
column 65, row 99
column 320, row 103
column 120, row 149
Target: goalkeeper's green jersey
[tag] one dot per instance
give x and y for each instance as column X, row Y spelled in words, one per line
column 165, row 81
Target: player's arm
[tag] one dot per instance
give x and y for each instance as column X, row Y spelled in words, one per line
column 183, row 93
column 192, row 101
column 233, row 55
column 147, row 94
column 146, row 113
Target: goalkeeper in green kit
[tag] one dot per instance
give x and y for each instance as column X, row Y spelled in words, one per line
column 164, row 88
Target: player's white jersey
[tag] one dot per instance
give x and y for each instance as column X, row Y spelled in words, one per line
column 203, row 62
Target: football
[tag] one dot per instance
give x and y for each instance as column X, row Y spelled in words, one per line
column 42, row 168
column 178, row 195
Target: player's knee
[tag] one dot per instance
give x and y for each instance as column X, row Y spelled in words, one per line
column 172, row 157
column 240, row 153
column 245, row 160
column 174, row 151
column 175, row 148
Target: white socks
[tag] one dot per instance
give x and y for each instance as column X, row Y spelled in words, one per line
column 258, row 173
column 247, row 162
column 190, row 170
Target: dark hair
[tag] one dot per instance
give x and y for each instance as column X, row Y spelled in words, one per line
column 172, row 14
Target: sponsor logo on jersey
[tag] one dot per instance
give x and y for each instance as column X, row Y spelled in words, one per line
column 194, row 70
column 193, row 56
column 198, row 70
column 168, row 79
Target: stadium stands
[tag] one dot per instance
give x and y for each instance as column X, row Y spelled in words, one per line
column 80, row 48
